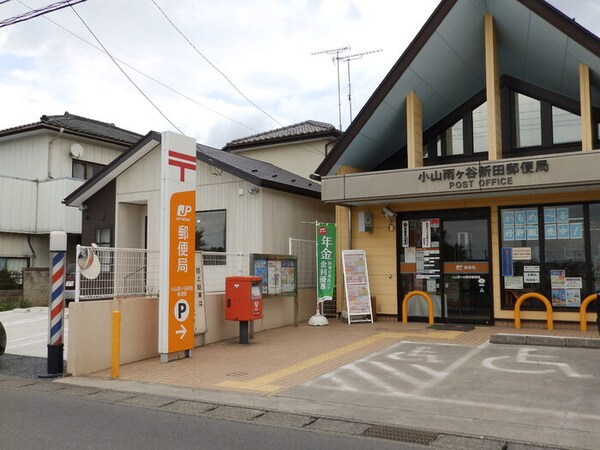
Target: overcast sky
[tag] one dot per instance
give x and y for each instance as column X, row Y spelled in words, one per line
column 263, row 46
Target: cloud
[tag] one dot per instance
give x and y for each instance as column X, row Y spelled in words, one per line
column 264, row 47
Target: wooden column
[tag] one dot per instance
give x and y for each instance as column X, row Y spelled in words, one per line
column 492, row 89
column 414, row 131
column 343, row 215
column 585, row 100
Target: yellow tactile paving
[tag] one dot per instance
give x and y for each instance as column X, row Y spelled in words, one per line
column 284, row 357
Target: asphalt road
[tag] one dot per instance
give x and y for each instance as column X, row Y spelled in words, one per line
column 27, row 331
column 48, row 416
column 548, row 395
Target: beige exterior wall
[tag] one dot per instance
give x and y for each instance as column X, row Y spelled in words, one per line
column 90, row 333
column 300, row 158
column 90, row 327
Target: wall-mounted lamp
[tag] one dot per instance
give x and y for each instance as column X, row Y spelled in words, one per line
column 253, row 190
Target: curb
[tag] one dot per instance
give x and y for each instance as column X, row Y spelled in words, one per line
column 548, row 341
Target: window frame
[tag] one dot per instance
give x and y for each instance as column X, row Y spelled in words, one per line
column 90, row 168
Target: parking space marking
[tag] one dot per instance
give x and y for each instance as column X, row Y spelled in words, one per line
column 267, row 383
column 526, row 356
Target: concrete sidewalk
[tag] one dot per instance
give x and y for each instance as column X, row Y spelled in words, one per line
column 272, row 374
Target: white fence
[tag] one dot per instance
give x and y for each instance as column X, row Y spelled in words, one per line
column 127, row 272
column 306, row 257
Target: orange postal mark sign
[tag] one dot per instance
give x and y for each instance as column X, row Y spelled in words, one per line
column 182, row 265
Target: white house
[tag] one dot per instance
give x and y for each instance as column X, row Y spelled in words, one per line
column 40, row 164
column 299, row 148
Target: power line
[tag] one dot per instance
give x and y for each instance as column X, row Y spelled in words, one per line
column 4, row 1
column 38, row 12
column 125, row 73
column 166, row 86
column 216, row 68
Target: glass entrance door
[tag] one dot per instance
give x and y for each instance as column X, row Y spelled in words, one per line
column 467, row 282
column 448, row 257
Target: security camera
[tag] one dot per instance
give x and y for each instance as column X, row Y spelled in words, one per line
column 388, row 212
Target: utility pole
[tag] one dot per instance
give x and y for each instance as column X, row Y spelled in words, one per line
column 336, row 59
column 347, row 59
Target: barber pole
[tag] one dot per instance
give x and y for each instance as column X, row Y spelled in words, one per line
column 58, row 248
column 55, row 335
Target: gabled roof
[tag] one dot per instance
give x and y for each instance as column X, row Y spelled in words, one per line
column 81, row 126
column 257, row 172
column 309, row 129
column 445, row 66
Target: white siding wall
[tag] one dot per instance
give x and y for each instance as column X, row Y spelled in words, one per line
column 17, row 245
column 283, row 215
column 300, row 158
column 25, row 157
column 52, row 215
column 18, row 200
column 139, row 186
column 243, row 211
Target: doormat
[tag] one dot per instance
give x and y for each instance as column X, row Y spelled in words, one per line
column 451, row 327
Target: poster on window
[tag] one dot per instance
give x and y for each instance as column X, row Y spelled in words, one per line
column 558, row 279
column 261, row 270
column 559, row 297
column 562, row 214
column 426, row 234
column 288, row 276
column 405, row 234
column 573, row 297
column 550, row 231
column 576, row 230
column 274, row 271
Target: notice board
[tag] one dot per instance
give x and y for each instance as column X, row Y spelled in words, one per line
column 356, row 286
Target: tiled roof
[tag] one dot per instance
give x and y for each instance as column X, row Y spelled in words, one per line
column 80, row 125
column 302, row 130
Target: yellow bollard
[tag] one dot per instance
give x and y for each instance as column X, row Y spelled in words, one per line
column 116, row 344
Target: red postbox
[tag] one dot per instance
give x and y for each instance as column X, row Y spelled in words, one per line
column 243, row 298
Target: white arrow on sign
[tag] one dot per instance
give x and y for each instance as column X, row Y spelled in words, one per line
column 181, row 331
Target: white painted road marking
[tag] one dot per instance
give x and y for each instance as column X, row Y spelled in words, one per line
column 526, row 356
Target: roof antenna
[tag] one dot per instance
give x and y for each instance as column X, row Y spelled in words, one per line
column 336, row 59
column 347, row 59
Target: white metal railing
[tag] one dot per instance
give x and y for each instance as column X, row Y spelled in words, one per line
column 306, row 257
column 123, row 272
column 218, row 266
column 131, row 272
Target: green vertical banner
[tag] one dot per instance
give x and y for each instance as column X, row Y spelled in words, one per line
column 325, row 261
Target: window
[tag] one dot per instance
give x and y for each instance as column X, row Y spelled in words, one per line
column 528, row 121
column 102, row 236
column 466, row 137
column 210, row 234
column 11, row 272
column 566, row 127
column 544, row 250
column 454, row 139
column 480, row 129
column 83, row 170
column 538, row 125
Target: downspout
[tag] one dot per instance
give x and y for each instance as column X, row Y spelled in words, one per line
column 60, row 132
column 33, row 255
